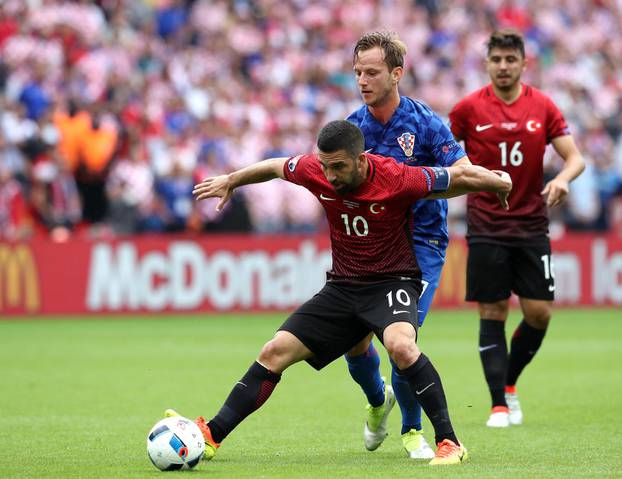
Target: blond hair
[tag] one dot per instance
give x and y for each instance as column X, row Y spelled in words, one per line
column 392, row 47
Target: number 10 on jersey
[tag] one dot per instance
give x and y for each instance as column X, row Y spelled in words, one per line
column 359, row 225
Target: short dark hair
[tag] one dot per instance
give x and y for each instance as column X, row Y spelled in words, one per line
column 392, row 47
column 507, row 39
column 341, row 135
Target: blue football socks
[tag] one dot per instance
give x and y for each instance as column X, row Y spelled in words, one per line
column 364, row 369
column 410, row 407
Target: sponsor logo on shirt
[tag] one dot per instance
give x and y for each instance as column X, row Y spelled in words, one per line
column 407, row 143
column 509, row 125
column 479, row 128
column 351, row 204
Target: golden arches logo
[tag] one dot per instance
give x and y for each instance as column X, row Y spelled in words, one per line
column 18, row 278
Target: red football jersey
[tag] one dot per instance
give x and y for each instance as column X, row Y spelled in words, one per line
column 370, row 227
column 513, row 138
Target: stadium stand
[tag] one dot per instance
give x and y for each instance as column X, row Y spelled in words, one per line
column 111, row 110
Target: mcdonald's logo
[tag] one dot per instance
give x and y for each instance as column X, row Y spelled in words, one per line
column 19, row 281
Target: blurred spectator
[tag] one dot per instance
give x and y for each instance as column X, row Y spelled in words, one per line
column 73, row 126
column 8, row 26
column 213, row 162
column 15, row 130
column 176, row 193
column 33, row 96
column 130, row 193
column 172, row 18
column 15, row 221
column 54, row 197
column 96, row 148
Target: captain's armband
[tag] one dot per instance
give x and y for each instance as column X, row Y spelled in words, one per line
column 438, row 178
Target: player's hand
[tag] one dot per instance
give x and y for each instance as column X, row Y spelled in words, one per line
column 503, row 199
column 214, row 187
column 557, row 191
column 507, row 188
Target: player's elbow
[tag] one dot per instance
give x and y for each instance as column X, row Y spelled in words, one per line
column 580, row 164
column 458, row 173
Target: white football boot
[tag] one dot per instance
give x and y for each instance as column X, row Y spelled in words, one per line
column 499, row 417
column 516, row 415
column 416, row 446
column 376, row 424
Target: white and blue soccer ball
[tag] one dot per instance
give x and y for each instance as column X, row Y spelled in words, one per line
column 175, row 443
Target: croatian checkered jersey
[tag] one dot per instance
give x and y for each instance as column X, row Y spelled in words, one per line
column 415, row 136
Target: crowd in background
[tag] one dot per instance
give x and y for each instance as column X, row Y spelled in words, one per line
column 111, row 110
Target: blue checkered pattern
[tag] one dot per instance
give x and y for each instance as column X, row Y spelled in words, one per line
column 434, row 145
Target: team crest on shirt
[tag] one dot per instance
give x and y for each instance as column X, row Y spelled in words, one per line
column 376, row 208
column 533, row 125
column 407, row 143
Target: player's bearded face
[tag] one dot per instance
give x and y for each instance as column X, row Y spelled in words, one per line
column 342, row 172
column 505, row 67
column 373, row 77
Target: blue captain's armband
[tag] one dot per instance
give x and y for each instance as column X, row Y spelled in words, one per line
column 441, row 178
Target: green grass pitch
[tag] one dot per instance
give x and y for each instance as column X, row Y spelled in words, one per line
column 79, row 396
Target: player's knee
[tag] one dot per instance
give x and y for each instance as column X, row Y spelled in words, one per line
column 494, row 311
column 539, row 318
column 403, row 351
column 273, row 355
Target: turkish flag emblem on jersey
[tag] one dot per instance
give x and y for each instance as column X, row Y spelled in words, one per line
column 533, row 125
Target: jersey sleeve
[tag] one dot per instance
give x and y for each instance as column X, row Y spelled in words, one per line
column 420, row 181
column 442, row 144
column 299, row 170
column 457, row 122
column 555, row 122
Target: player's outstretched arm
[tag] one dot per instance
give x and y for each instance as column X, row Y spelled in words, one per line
column 472, row 178
column 557, row 189
column 222, row 186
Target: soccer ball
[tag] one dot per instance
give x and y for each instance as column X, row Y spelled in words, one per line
column 175, row 442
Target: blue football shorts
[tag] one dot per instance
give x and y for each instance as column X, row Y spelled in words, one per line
column 431, row 258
